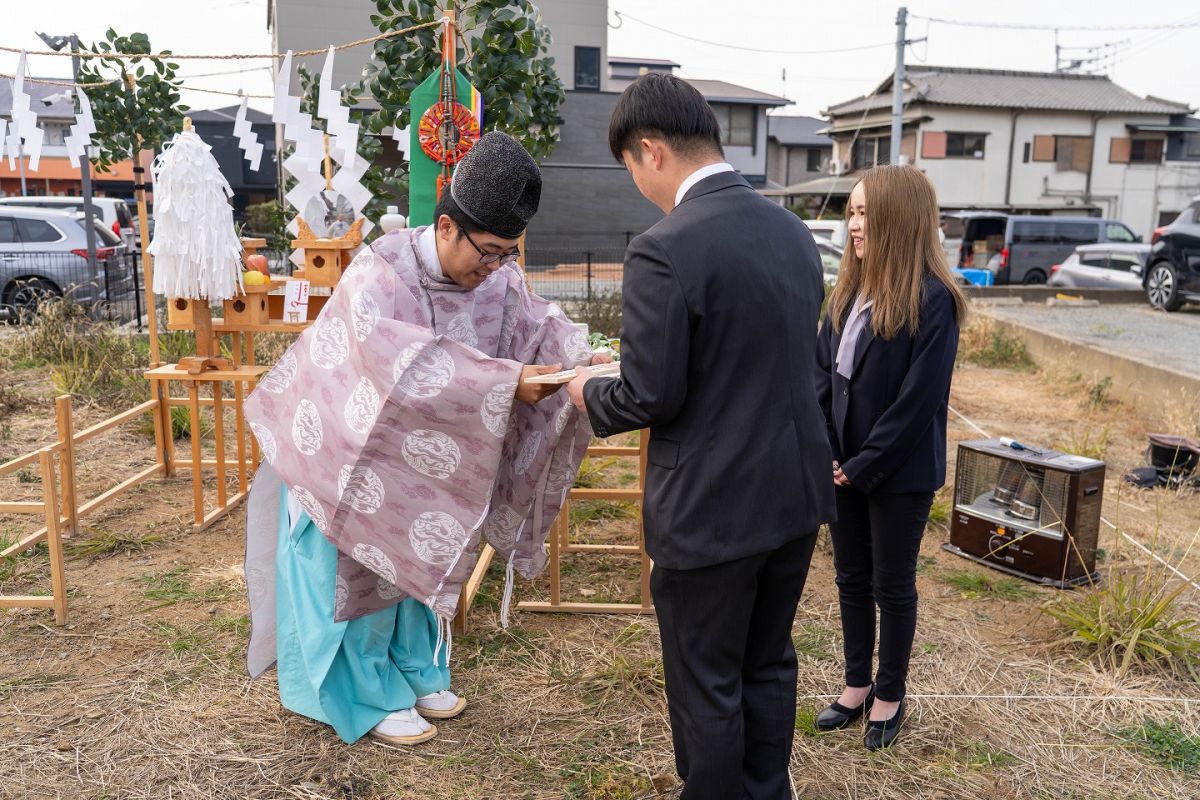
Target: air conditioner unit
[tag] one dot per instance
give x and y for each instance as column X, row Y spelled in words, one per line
column 1030, row 513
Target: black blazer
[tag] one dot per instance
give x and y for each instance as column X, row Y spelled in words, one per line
column 720, row 306
column 887, row 424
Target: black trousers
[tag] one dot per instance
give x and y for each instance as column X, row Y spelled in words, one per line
column 730, row 670
column 875, row 544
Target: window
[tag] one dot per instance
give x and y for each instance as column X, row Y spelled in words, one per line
column 1193, row 144
column 1135, row 151
column 1033, row 233
column 587, row 68
column 1125, row 262
column 1092, row 259
column 1116, row 232
column 1146, row 151
column 8, row 231
column 965, row 145
column 863, row 154
column 35, row 230
column 1072, row 153
column 737, row 124
column 1075, row 232
column 54, row 134
column 814, row 160
column 883, row 150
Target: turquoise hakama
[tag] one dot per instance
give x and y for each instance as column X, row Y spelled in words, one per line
column 352, row 674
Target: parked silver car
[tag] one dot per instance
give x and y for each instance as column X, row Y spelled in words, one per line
column 1102, row 266
column 43, row 253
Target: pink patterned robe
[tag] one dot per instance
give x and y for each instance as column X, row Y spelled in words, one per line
column 393, row 422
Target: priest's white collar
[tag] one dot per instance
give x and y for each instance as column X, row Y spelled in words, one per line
column 427, row 245
column 699, row 175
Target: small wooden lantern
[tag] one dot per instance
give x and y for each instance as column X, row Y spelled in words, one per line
column 250, row 308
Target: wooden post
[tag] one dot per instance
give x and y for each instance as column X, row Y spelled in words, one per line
column 219, row 440
column 162, row 395
column 555, row 538
column 197, row 471
column 139, row 192
column 647, row 602
column 239, row 418
column 66, row 436
column 58, row 580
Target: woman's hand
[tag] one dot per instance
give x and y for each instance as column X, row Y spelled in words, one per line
column 839, row 477
column 601, row 358
column 534, row 392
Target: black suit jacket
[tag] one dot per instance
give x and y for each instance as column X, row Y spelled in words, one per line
column 720, row 306
column 887, row 424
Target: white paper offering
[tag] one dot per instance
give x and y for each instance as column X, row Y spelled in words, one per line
column 295, row 301
column 567, row 375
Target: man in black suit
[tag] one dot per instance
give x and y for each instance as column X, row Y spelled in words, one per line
column 720, row 303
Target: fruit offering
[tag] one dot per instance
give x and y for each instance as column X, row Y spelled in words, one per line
column 258, row 262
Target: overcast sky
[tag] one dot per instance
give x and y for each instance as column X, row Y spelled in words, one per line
column 1160, row 62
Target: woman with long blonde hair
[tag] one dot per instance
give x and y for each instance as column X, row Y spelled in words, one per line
column 884, row 362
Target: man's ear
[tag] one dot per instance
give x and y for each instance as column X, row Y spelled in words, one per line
column 445, row 227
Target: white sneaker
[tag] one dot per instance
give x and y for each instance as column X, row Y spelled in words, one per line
column 404, row 727
column 441, row 705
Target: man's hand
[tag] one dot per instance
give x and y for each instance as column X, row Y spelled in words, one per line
column 575, row 387
column 601, row 358
column 534, row 392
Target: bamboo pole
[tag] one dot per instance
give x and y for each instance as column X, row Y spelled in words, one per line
column 66, row 436
column 139, row 192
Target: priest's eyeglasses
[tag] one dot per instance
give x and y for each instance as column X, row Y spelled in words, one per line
column 488, row 259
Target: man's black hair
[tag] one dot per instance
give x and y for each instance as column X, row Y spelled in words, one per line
column 664, row 106
column 446, row 205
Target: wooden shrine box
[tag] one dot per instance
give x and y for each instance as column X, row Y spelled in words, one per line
column 324, row 259
column 181, row 311
column 250, row 308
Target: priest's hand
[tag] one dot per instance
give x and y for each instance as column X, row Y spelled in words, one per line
column 601, row 358
column 534, row 392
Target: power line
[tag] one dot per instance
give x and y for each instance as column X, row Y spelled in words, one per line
column 622, row 17
column 1021, row 27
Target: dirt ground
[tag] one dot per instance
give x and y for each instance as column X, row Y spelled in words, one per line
column 144, row 694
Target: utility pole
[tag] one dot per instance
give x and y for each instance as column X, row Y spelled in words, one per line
column 898, row 86
column 57, row 43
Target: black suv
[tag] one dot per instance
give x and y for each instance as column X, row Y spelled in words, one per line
column 1173, row 274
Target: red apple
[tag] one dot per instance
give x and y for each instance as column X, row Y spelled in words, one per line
column 258, row 262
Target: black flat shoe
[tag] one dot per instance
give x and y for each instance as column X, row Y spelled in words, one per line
column 836, row 716
column 881, row 734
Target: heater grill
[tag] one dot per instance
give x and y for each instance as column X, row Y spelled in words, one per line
column 1035, row 514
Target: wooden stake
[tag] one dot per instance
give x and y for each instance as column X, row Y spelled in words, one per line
column 647, row 565
column 219, row 436
column 66, row 437
column 58, row 579
column 197, row 472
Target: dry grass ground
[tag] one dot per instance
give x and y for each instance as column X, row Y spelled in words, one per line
column 143, row 694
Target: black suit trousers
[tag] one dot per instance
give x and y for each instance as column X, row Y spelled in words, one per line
column 730, row 670
column 876, row 541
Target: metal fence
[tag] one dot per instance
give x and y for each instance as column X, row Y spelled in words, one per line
column 573, row 273
column 111, row 289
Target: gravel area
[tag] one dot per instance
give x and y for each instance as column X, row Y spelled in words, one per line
column 1167, row 340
